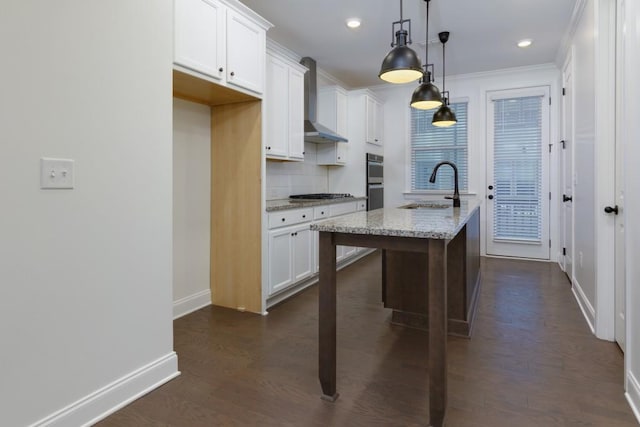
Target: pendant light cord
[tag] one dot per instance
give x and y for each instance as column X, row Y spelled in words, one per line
column 426, row 47
column 401, row 18
column 444, row 86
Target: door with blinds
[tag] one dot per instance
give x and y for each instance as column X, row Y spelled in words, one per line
column 518, row 173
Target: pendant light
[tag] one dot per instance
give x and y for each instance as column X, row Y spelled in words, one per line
column 444, row 117
column 427, row 95
column 401, row 65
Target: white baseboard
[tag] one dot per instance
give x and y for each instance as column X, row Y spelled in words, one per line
column 633, row 394
column 189, row 304
column 107, row 400
column 587, row 309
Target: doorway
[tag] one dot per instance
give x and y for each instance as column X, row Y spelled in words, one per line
column 566, row 176
column 518, row 173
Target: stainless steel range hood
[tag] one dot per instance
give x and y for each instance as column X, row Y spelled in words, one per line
column 314, row 131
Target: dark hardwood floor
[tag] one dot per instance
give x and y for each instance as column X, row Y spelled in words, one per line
column 531, row 361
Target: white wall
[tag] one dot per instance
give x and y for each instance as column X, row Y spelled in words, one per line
column 85, row 274
column 191, row 206
column 472, row 88
column 631, row 136
column 287, row 178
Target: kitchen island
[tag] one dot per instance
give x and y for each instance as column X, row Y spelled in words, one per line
column 426, row 229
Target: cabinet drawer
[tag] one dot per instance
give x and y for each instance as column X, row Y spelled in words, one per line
column 342, row 208
column 289, row 217
column 361, row 205
column 321, row 212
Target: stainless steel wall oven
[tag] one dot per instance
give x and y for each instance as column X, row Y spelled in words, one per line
column 375, row 182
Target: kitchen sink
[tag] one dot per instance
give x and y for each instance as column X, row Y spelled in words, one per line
column 426, row 205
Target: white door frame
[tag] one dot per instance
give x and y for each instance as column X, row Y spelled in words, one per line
column 544, row 91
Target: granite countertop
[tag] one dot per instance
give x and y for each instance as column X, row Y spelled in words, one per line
column 423, row 221
column 284, row 204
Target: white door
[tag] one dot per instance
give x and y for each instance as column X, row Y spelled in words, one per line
column 567, row 169
column 620, row 253
column 518, row 173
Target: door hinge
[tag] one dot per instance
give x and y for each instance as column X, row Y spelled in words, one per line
column 549, row 100
column 549, row 195
column 564, row 144
column 550, row 145
column 564, row 91
column 564, row 251
column 549, row 242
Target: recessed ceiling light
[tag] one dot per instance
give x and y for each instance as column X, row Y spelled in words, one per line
column 524, row 43
column 353, row 22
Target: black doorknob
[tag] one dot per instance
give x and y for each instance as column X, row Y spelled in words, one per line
column 491, row 187
column 610, row 209
column 566, row 198
column 490, row 196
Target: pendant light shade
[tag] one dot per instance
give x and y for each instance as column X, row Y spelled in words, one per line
column 401, row 65
column 444, row 117
column 427, row 95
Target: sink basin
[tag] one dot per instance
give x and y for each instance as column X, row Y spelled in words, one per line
column 426, row 205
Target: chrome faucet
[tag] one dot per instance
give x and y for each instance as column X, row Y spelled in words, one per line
column 456, row 193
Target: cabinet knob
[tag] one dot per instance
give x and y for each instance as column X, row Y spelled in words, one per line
column 282, row 219
column 339, row 157
column 233, row 74
column 322, row 213
column 304, row 216
column 221, row 69
column 303, row 153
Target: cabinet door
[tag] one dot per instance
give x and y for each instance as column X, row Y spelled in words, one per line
column 302, row 253
column 379, row 128
column 280, row 253
column 199, row 36
column 370, row 119
column 341, row 113
column 296, row 114
column 276, row 118
column 245, row 53
column 342, row 149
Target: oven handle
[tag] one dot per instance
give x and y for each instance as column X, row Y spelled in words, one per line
column 375, row 186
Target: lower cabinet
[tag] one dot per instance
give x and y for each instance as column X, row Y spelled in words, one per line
column 290, row 256
column 293, row 248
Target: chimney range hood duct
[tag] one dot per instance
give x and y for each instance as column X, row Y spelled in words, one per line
column 314, row 131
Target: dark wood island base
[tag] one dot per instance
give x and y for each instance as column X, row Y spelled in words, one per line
column 405, row 273
column 427, row 234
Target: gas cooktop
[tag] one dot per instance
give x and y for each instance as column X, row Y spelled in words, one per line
column 320, row 196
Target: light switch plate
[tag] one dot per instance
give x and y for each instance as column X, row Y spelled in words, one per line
column 56, row 173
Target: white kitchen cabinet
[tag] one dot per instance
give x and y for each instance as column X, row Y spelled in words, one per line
column 374, row 118
column 332, row 153
column 284, row 109
column 290, row 256
column 332, row 112
column 222, row 43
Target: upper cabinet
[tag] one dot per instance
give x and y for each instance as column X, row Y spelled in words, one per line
column 374, row 117
column 284, row 109
column 332, row 112
column 223, row 41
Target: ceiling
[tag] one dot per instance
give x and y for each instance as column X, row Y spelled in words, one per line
column 483, row 33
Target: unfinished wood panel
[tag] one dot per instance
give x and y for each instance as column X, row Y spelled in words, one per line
column 190, row 88
column 236, row 209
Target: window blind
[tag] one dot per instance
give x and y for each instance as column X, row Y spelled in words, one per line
column 517, row 166
column 431, row 144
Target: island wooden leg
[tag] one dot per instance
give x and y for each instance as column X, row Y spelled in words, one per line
column 437, row 277
column 327, row 317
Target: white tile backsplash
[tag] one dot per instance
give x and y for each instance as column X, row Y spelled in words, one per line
column 286, row 178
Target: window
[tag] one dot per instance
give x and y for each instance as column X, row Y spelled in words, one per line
column 431, row 144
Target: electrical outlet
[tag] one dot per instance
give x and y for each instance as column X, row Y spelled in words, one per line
column 56, row 173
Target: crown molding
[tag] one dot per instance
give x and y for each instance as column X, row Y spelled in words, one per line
column 565, row 43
